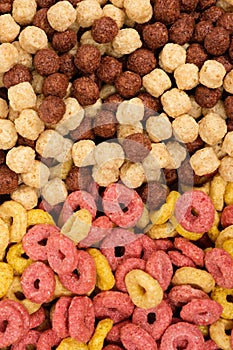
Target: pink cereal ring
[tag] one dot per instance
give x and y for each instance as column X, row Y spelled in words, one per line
column 180, row 295
column 220, row 265
column 113, row 335
column 163, row 244
column 31, row 338
column 23, row 311
column 148, row 246
column 182, row 333
column 116, row 194
column 35, row 240
column 47, row 340
column 38, row 282
column 211, row 345
column 60, row 317
column 62, row 254
column 179, row 259
column 37, row 318
column 227, row 216
column 194, row 211
column 195, row 253
column 124, row 268
column 81, row 319
column 134, row 337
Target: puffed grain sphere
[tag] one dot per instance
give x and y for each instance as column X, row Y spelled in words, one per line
column 109, row 153
column 22, row 141
column 212, row 74
column 225, row 61
column 37, row 83
column 228, row 82
column 212, row 128
column 8, row 134
column 49, row 144
column 109, row 69
column 226, row 169
column 17, row 74
column 177, row 153
column 118, row 3
column 159, row 127
column 24, row 57
column 167, row 12
column 87, row 12
column 105, row 124
column 155, row 35
column 40, row 20
column 105, row 174
column 67, row 66
column 128, row 84
column 64, row 41
column 196, row 54
column 23, row 12
column 51, row 109
column 22, row 96
column 204, row 4
column 218, row 108
column 124, row 130
column 86, row 38
column 230, row 51
column 20, row 159
column 226, row 21
column 156, row 82
column 139, row 11
column 54, row 192
column 204, row 161
column 87, row 58
column 137, row 147
column 206, row 97
column 153, row 194
column 25, row 195
column 182, row 30
column 112, row 102
column 32, row 39
column 227, row 145
column 9, row 180
column 217, row 41
column 115, row 13
column 175, row 102
column 228, row 104
column 82, row 153
column 29, row 125
column 9, row 29
column 141, row 61
column 4, row 109
column 126, row 41
column 86, row 91
column 171, row 57
column 130, row 112
column 159, row 157
column 201, row 30
column 8, row 57
column 213, row 13
column 132, row 174
column 104, row 30
column 186, row 76
column 46, row 62
column 55, row 84
column 61, row 15
column 38, row 176
column 185, row 128
column 45, row 3
column 78, row 178
column 151, row 104
column 194, row 146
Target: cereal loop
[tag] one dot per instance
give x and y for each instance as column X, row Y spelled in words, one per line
column 102, row 329
column 193, row 276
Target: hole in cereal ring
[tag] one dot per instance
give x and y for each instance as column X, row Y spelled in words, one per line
column 43, row 242
column 151, row 317
column 123, row 207
column 37, row 283
column 183, row 345
column 20, row 296
column 230, row 298
column 119, row 251
column 195, row 212
column 76, row 273
column 3, row 326
column 61, row 255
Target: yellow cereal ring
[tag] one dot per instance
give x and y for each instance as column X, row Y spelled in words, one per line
column 228, row 246
column 144, row 291
column 218, row 333
column 60, row 290
column 161, row 231
column 213, row 233
column 6, row 278
column 223, row 236
column 71, row 344
column 101, row 331
column 192, row 236
column 39, row 216
column 228, row 198
column 15, row 259
column 220, row 295
column 193, row 276
column 162, row 215
column 4, row 238
column 217, row 191
column 104, row 277
column 78, row 225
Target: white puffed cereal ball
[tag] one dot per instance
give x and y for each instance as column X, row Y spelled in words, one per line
column 159, row 127
column 24, row 58
column 66, row 154
column 156, row 82
column 54, row 192
column 109, row 152
column 124, row 130
column 218, row 108
column 8, row 134
column 38, row 176
column 185, row 128
column 186, row 76
column 204, row 161
column 212, row 74
column 22, row 96
column 126, row 41
column 105, row 174
column 86, row 38
column 178, row 154
column 87, row 12
column 115, row 13
column 139, row 11
column 226, row 168
column 49, row 144
column 32, row 39
column 132, row 174
column 72, row 118
column 9, row 29
column 29, row 125
column 158, row 156
column 151, row 168
column 8, row 57
column 25, row 195
column 196, row 110
column 4, row 110
column 175, row 102
column 171, row 57
column 24, row 11
column 130, row 112
column 212, row 128
column 83, row 153
column 118, row 3
column 61, row 15
column 20, row 159
column 227, row 145
column 228, row 82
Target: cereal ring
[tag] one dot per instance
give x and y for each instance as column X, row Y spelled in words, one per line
column 4, row 238
column 228, row 246
column 38, row 283
column 39, row 216
column 163, row 244
column 195, row 253
column 201, row 312
column 148, row 246
column 124, row 268
column 195, row 211
column 190, row 275
column 31, row 338
column 180, row 295
column 161, row 231
column 115, row 305
column 81, row 319
column 223, row 236
column 210, row 345
column 15, row 258
column 47, row 340
column 221, row 295
column 24, row 313
column 60, row 317
column 220, row 265
column 155, row 320
column 134, row 337
column 116, row 194
column 194, row 236
column 227, row 216
column 71, row 344
column 113, row 335
column 102, row 329
column 6, row 278
column 218, row 333
column 180, row 260
column 37, row 318
column 162, row 215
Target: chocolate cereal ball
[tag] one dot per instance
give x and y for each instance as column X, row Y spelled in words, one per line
column 55, row 84
column 8, row 180
column 64, row 41
column 51, row 109
column 87, row 58
column 206, row 97
column 17, row 74
column 212, row 14
column 229, row 125
column 155, row 35
column 137, row 147
column 217, row 41
column 171, row 176
column 204, row 4
column 78, row 179
column 153, row 194
column 84, row 131
column 188, row 5
column 5, row 7
column 225, row 61
column 112, row 102
column 23, row 141
column 105, row 124
column 201, row 30
column 182, row 30
column 2, row 157
column 46, row 62
column 167, row 12
column 141, row 61
column 86, row 91
column 104, row 30
column 128, row 84
column 109, row 69
column 226, row 21
column 231, row 49
column 196, row 54
column 194, row 146
column 151, row 104
column 228, row 104
column 45, row 3
column 40, row 20
column 67, row 65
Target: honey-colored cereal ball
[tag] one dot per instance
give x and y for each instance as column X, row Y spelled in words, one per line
column 178, row 154
column 105, row 174
column 226, row 168
column 115, row 13
column 25, row 195
column 227, row 145
column 61, row 15
column 218, row 108
column 185, row 128
column 212, row 128
column 24, row 58
column 159, row 156
column 228, row 82
column 156, row 82
column 204, row 161
column 32, row 39
column 196, row 109
column 29, row 125
column 24, row 11
column 9, row 29
column 109, row 153
column 8, row 57
column 4, row 110
column 22, row 96
column 8, row 134
column 118, row 3
column 130, row 112
column 38, row 176
column 82, row 153
column 132, row 174
column 20, row 159
column 139, row 11
column 49, row 144
column 212, row 74
column 159, row 127
column 126, row 41
column 171, row 57
column 175, row 102
column 72, row 118
column 87, row 12
column 186, row 76
column 54, row 192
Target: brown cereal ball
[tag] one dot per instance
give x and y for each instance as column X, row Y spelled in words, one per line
column 55, row 84
column 64, row 41
column 201, row 30
column 226, row 21
column 153, row 194
column 40, row 20
column 128, row 84
column 87, row 58
column 212, row 14
column 207, row 97
column 8, row 180
column 151, row 104
column 84, row 131
column 67, row 65
column 204, row 4
column 105, row 124
column 217, row 41
column 188, row 5
column 194, row 146
column 182, row 30
column 229, row 125
column 112, row 102
column 17, row 74
column 104, row 30
column 231, row 50
column 225, row 61
column 155, row 35
column 141, row 61
column 5, row 6
column 136, row 147
column 45, row 3
column 228, row 104
column 23, row 141
column 170, row 176
column 109, row 69
column 2, row 157
column 167, row 12
column 51, row 109
column 46, row 62
column 196, row 54
column 78, row 179
column 187, row 176
column 86, row 91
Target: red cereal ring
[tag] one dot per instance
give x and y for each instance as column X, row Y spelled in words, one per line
column 201, row 312
column 227, row 216
column 124, row 268
column 180, row 295
column 159, row 266
column 112, row 347
column 211, row 345
column 182, row 333
column 115, row 305
column 220, row 265
column 38, row 282
column 116, row 195
column 190, row 250
column 134, row 337
column 113, row 335
column 37, row 318
column 23, row 311
column 62, row 254
column 60, row 317
column 120, row 245
column 148, row 246
column 194, row 211
column 81, row 319
column 155, row 320
column 84, row 280
column 47, row 340
column 35, row 240
column 179, row 259
column 31, row 338
column 163, row 244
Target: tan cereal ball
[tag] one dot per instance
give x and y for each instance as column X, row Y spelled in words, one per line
column 118, row 3
column 126, row 41
column 54, row 192
column 4, row 110
column 87, row 12
column 38, row 176
column 156, row 82
column 178, row 154
column 24, row 11
column 159, row 127
column 227, row 145
column 29, row 125
column 130, row 111
column 159, row 155
column 8, row 57
column 25, row 58
column 105, row 174
column 72, row 118
column 106, row 153
column 61, row 16
column 171, row 57
column 115, row 13
column 186, row 76
column 139, row 11
column 83, row 153
column 196, row 110
column 9, row 29
column 228, row 82
column 212, row 128
column 49, row 144
column 204, row 161
column 185, row 128
column 132, row 174
column 226, row 168
column 22, row 96
column 20, row 159
column 175, row 102
column 32, row 39
column 25, row 195
column 8, row 134
column 212, row 74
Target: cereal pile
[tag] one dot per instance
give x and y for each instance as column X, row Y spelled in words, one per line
column 116, row 174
